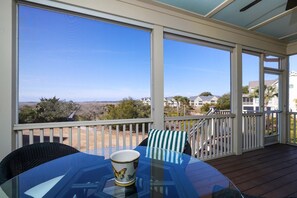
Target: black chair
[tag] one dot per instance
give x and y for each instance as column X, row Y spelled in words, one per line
column 30, row 156
column 187, row 149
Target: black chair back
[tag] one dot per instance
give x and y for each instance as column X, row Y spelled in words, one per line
column 30, row 156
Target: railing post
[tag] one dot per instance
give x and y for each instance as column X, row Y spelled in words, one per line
column 261, row 100
column 236, row 98
column 284, row 117
column 157, row 78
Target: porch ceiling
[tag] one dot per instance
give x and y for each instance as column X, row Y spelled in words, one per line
column 277, row 19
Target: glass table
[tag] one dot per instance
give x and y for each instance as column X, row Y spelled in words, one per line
column 160, row 173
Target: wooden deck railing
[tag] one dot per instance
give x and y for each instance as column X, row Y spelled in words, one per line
column 292, row 135
column 210, row 136
column 255, row 136
column 252, row 134
column 97, row 136
column 271, row 127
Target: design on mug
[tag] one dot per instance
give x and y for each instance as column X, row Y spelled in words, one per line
column 131, row 176
column 119, row 174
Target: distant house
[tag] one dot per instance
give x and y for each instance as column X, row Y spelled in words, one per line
column 252, row 104
column 198, row 101
column 293, row 91
column 253, row 85
column 192, row 100
column 146, row 100
column 170, row 101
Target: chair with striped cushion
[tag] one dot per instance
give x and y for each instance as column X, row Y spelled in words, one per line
column 160, row 144
column 167, row 139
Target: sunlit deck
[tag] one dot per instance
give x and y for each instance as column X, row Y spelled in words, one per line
column 268, row 172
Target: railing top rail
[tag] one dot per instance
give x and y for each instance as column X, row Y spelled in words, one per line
column 252, row 114
column 200, row 117
column 275, row 111
column 292, row 112
column 80, row 123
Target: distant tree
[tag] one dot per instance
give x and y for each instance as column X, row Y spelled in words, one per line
column 177, row 99
column 206, row 93
column 54, row 110
column 170, row 111
column 27, row 114
column 269, row 93
column 245, row 89
column 47, row 110
column 184, row 102
column 223, row 102
column 128, row 108
column 90, row 112
column 205, row 107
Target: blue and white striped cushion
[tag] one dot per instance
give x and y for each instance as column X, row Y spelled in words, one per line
column 164, row 155
column 166, row 139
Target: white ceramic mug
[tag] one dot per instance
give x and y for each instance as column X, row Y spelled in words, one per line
column 124, row 164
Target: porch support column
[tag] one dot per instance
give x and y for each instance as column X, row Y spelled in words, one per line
column 236, row 98
column 284, row 101
column 7, row 76
column 261, row 100
column 157, row 78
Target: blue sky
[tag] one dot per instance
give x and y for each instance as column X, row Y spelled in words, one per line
column 191, row 69
column 81, row 59
column 293, row 63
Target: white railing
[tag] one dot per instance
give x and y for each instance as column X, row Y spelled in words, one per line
column 292, row 136
column 98, row 136
column 252, row 129
column 271, row 127
column 209, row 136
column 223, row 112
column 252, row 135
column 271, row 122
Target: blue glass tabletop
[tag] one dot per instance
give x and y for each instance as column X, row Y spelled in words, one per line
column 160, row 173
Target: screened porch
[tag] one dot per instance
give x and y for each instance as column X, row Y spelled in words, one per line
column 251, row 130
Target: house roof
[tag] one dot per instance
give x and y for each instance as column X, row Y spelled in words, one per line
column 207, row 98
column 169, row 98
column 254, row 84
column 192, row 97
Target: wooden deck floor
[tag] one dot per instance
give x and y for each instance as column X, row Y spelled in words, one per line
column 269, row 172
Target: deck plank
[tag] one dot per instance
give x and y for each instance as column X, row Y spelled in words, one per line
column 267, row 172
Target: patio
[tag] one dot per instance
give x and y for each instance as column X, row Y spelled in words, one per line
column 268, row 172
